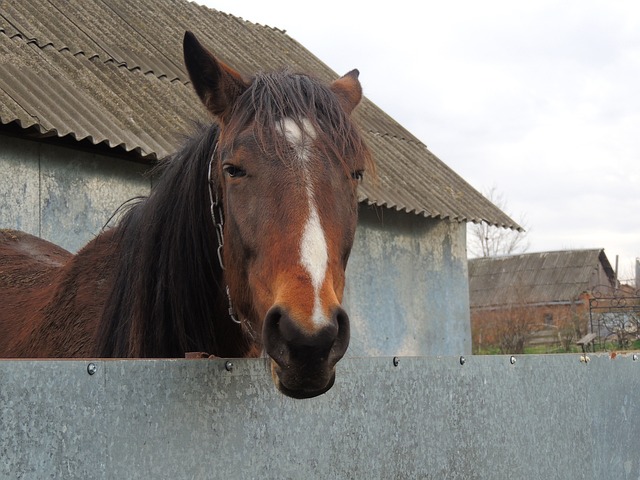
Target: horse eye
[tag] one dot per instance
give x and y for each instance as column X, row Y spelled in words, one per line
column 233, row 171
column 358, row 175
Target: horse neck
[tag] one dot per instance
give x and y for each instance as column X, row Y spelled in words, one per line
column 169, row 294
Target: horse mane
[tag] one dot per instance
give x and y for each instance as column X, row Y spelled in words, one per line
column 165, row 299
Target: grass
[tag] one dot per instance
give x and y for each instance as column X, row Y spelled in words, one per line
column 543, row 349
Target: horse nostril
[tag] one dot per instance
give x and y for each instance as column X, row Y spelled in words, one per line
column 341, row 343
column 272, row 337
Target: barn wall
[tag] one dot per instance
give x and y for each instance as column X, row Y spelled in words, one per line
column 407, row 289
column 61, row 194
column 538, row 417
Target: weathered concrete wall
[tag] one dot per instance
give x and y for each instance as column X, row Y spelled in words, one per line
column 407, row 290
column 61, row 194
column 542, row 417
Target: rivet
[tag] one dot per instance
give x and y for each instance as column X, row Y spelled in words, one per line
column 635, row 357
column 512, row 360
column 92, row 368
column 396, row 361
column 228, row 365
column 463, row 360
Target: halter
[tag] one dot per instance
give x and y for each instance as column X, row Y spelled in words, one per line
column 218, row 223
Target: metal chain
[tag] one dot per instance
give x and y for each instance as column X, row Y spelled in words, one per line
column 215, row 205
column 218, row 223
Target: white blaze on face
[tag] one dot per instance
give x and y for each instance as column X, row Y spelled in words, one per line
column 313, row 245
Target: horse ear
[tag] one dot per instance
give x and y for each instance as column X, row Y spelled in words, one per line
column 217, row 85
column 348, row 90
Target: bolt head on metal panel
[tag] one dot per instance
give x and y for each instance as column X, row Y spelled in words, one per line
column 463, row 360
column 228, row 365
column 92, row 368
column 512, row 360
column 396, row 361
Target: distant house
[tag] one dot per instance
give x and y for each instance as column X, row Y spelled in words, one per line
column 94, row 92
column 535, row 296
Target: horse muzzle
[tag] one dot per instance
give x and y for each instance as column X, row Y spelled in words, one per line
column 303, row 359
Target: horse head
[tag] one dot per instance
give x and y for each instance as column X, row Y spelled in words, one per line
column 286, row 170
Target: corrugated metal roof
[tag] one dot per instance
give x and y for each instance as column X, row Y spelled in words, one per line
column 110, row 72
column 533, row 278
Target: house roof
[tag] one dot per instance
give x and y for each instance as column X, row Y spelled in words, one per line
column 536, row 278
column 110, row 73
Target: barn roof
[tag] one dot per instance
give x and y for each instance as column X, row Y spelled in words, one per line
column 110, row 73
column 536, row 278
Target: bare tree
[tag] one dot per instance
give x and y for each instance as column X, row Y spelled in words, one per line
column 489, row 241
column 572, row 323
column 623, row 326
column 508, row 327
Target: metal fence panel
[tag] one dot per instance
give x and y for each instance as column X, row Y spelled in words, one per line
column 551, row 417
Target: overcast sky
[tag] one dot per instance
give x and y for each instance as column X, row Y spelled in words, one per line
column 540, row 100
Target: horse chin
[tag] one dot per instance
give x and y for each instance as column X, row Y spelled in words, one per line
column 304, row 389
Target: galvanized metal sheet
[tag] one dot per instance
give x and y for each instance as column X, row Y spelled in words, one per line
column 551, row 417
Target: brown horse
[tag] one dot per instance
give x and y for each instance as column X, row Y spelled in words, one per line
column 241, row 248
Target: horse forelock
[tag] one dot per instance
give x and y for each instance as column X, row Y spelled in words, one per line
column 274, row 98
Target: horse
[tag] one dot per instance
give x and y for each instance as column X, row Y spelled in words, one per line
column 239, row 250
